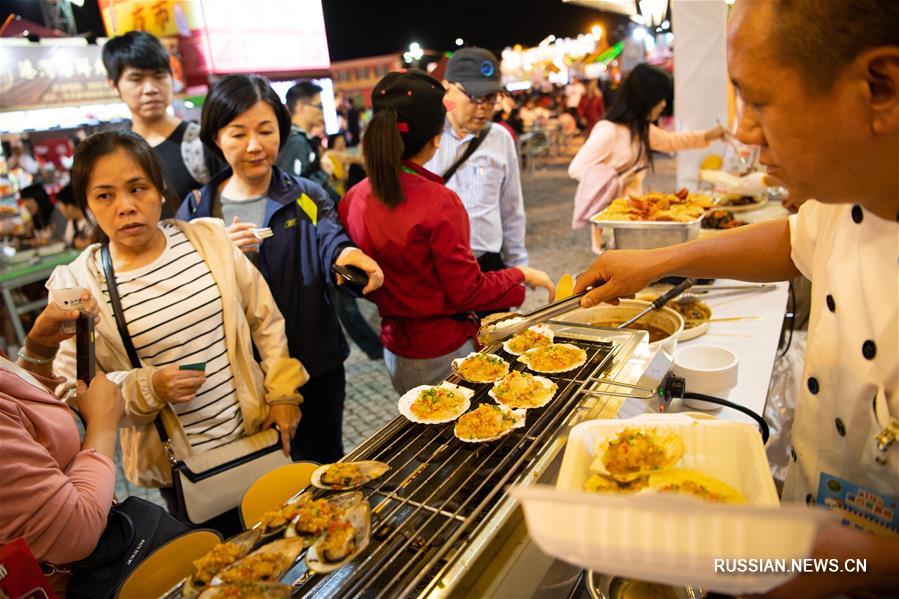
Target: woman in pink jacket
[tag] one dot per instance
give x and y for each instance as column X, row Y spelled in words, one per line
column 627, row 136
column 55, row 489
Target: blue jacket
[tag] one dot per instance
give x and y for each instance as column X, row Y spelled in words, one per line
column 296, row 262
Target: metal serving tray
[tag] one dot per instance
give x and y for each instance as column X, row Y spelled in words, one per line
column 644, row 235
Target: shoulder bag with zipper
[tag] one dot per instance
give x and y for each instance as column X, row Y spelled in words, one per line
column 213, row 482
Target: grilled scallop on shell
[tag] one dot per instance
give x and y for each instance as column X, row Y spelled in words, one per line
column 207, row 566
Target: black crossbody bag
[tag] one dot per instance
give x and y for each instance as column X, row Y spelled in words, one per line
column 472, row 146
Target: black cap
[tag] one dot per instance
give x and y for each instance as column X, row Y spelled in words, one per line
column 417, row 99
column 476, row 69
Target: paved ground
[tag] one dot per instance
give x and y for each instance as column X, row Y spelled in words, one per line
column 553, row 247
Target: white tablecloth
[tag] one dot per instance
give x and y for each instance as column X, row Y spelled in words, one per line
column 753, row 341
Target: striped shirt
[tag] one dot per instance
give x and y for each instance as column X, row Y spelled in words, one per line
column 489, row 184
column 173, row 311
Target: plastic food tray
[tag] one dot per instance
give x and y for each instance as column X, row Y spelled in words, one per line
column 643, row 235
column 669, row 538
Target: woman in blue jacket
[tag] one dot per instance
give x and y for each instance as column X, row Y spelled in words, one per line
column 245, row 123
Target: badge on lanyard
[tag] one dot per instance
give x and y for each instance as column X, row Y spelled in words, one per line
column 858, row 507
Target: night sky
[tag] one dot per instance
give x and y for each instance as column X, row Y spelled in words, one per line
column 358, row 28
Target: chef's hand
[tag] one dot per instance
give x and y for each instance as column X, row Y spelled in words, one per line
column 47, row 329
column 177, row 386
column 355, row 257
column 834, row 541
column 286, row 417
column 241, row 235
column 534, row 278
column 614, row 275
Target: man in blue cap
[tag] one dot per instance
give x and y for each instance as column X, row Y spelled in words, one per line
column 480, row 162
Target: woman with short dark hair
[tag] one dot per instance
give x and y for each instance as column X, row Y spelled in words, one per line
column 289, row 228
column 194, row 309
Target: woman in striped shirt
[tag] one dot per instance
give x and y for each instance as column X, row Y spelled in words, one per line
column 190, row 299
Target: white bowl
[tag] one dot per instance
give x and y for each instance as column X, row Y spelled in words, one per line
column 706, row 369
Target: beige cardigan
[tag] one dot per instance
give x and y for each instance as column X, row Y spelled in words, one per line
column 250, row 317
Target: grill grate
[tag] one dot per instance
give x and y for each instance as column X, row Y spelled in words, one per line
column 439, row 489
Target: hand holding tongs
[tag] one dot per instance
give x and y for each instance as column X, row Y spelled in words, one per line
column 495, row 331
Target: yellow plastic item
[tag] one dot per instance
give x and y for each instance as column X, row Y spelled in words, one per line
column 712, row 162
column 273, row 489
column 167, row 565
column 565, row 287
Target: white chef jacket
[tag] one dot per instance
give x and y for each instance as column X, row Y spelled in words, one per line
column 851, row 371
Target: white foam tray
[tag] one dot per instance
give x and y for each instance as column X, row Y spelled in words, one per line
column 667, row 538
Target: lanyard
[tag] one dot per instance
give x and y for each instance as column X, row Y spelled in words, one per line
column 406, row 169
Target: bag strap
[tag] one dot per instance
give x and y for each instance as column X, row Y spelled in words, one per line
column 472, row 146
column 116, row 301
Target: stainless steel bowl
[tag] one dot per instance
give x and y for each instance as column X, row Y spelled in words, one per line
column 601, row 586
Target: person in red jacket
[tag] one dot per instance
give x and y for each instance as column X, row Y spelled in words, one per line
column 417, row 229
column 592, row 107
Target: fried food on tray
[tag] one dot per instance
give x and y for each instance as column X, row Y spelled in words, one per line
column 636, row 452
column 523, row 390
column 485, row 423
column 697, row 484
column 557, row 357
column 435, row 403
column 529, row 339
column 218, row 557
column 482, row 368
column 654, row 206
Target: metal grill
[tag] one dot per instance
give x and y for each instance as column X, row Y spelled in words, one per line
column 440, row 490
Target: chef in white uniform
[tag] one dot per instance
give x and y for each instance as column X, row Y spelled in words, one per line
column 820, row 84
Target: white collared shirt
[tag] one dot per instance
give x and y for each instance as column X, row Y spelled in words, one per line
column 489, row 184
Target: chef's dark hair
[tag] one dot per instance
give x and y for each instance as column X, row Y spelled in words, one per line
column 233, row 96
column 108, row 142
column 408, row 113
column 135, row 49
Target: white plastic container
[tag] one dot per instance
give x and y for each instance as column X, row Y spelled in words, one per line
column 706, row 369
column 667, row 538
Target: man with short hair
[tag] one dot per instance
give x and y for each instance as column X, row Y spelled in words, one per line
column 301, row 154
column 820, row 83
column 137, row 66
column 488, row 179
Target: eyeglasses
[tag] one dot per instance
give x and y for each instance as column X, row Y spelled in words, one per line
column 479, row 101
column 318, row 106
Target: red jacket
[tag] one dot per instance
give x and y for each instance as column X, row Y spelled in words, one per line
column 431, row 278
column 591, row 111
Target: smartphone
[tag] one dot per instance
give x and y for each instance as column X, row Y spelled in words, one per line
column 85, row 365
column 352, row 275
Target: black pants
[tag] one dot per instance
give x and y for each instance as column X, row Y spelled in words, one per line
column 489, row 262
column 319, row 436
column 228, row 524
column 356, row 326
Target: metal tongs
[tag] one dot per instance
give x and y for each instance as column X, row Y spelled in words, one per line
column 495, row 331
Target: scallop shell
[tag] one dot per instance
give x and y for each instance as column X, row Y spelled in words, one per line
column 359, row 517
column 550, row 387
column 679, row 476
column 245, row 540
column 341, row 502
column 287, row 549
column 670, row 443
column 408, row 398
column 540, row 329
column 519, row 420
column 369, row 471
column 458, row 362
column 526, row 359
column 269, row 531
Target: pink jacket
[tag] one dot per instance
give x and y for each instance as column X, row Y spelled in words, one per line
column 611, row 144
column 52, row 493
column 596, row 190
